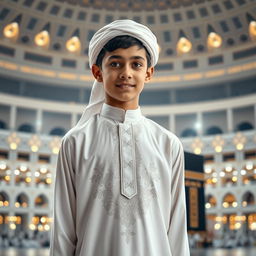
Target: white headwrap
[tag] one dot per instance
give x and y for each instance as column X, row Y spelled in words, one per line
column 98, row 41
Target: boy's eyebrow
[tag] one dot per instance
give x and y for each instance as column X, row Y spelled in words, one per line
column 120, row 57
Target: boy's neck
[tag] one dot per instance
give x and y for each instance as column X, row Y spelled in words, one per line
column 125, row 106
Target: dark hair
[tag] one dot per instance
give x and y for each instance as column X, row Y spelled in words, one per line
column 123, row 42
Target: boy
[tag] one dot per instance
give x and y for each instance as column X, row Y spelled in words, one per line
column 119, row 187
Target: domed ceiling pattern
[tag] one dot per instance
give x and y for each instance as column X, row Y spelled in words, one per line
column 123, row 5
column 199, row 40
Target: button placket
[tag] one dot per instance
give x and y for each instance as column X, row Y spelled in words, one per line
column 127, row 161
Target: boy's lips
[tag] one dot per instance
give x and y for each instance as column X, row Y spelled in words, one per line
column 124, row 85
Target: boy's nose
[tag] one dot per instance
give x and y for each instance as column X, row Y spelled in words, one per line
column 125, row 73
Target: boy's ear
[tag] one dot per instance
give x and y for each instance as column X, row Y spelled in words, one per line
column 149, row 74
column 96, row 71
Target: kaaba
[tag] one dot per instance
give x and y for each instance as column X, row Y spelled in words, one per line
column 194, row 185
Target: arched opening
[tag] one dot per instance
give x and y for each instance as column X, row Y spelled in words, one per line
column 210, row 202
column 4, row 199
column 21, row 201
column 41, row 201
column 248, row 199
column 229, row 200
column 248, row 174
column 210, row 177
column 189, row 132
column 228, row 176
column 43, row 177
column 244, row 126
column 26, row 128
column 22, row 175
column 5, row 172
column 213, row 130
column 58, row 131
column 41, row 223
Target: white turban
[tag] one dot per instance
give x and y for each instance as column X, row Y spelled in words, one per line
column 99, row 40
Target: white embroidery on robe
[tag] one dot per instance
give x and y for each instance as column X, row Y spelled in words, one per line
column 106, row 188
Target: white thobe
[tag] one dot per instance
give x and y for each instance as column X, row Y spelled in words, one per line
column 119, row 189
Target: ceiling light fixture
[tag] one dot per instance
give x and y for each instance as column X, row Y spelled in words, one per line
column 184, row 45
column 252, row 29
column 214, row 40
column 42, row 39
column 73, row 45
column 11, row 31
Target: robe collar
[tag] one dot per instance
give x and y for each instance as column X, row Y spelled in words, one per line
column 120, row 115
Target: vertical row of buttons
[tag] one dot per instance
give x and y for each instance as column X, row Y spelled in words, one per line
column 127, row 161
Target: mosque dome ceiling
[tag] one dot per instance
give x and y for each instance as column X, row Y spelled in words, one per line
column 123, row 5
column 199, row 40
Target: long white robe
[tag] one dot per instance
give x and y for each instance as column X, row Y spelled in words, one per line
column 119, row 189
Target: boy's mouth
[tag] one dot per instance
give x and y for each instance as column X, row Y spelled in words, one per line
column 124, row 86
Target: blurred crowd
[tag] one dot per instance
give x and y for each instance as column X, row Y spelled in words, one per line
column 23, row 240
column 229, row 239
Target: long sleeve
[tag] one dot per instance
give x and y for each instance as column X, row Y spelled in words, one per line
column 63, row 240
column 177, row 232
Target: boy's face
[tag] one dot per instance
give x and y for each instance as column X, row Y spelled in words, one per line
column 123, row 74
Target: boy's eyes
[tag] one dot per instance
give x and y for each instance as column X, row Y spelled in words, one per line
column 116, row 64
column 137, row 64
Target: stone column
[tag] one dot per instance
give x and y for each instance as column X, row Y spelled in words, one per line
column 39, row 117
column 172, row 123
column 218, row 168
column 173, row 96
column 199, row 122
column 230, row 121
column 73, row 119
column 13, row 115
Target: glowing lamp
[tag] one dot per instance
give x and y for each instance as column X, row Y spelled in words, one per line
column 217, row 226
column 7, row 178
column 207, row 205
column 197, row 151
column 184, row 45
column 13, row 141
column 2, row 165
column 234, row 204
column 238, row 225
column 46, row 227
column 252, row 29
column 197, row 146
column 12, row 226
column 214, row 40
column 28, row 179
column 239, row 141
column 225, row 204
column 218, row 143
column 48, row 180
column 253, row 226
column 32, row 226
column 55, row 145
column 73, row 44
column 34, row 143
column 42, row 39
column 234, row 179
column 214, row 180
column 11, row 30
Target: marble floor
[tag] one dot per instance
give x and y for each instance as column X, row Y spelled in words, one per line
column 195, row 252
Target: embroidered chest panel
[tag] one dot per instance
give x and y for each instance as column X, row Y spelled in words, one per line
column 128, row 188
